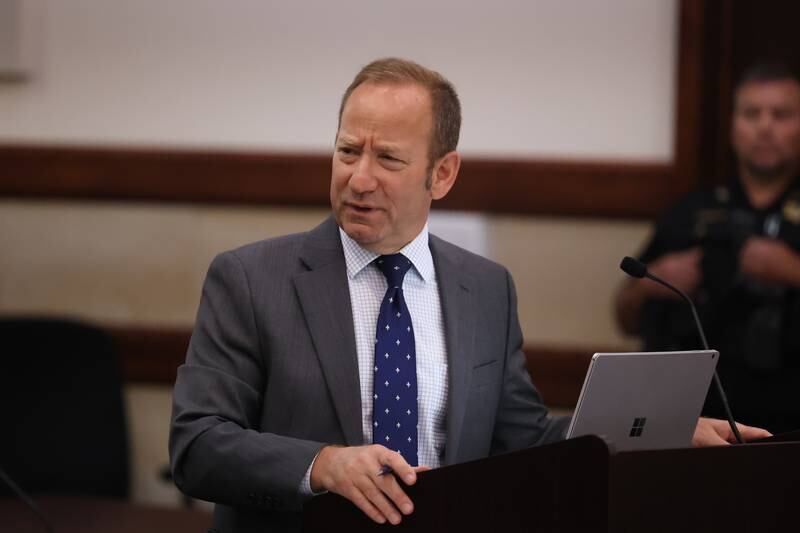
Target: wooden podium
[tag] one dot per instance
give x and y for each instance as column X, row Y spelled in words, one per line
column 582, row 485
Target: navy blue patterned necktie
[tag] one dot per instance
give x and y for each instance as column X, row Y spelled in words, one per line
column 394, row 398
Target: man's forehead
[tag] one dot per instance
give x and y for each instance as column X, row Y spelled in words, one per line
column 389, row 109
column 400, row 93
column 785, row 91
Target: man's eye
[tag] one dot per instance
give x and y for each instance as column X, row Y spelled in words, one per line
column 391, row 161
column 346, row 151
column 783, row 114
column 750, row 113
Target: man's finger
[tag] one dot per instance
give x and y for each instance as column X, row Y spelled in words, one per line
column 363, row 503
column 752, row 433
column 396, row 494
column 400, row 467
column 377, row 498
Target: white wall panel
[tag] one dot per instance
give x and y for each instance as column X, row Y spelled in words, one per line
column 540, row 78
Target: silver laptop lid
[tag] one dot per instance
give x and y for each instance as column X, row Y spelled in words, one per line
column 644, row 400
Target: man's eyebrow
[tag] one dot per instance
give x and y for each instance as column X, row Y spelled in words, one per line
column 387, row 147
column 380, row 147
column 345, row 141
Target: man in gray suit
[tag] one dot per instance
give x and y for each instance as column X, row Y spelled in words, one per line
column 277, row 399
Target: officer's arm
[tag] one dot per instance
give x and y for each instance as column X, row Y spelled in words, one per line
column 770, row 261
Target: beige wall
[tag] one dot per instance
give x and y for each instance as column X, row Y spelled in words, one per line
column 566, row 271
column 144, row 264
column 123, row 263
column 566, row 78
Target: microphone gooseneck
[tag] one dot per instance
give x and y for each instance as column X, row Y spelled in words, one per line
column 637, row 269
column 26, row 500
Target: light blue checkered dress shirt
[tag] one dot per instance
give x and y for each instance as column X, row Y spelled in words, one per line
column 367, row 287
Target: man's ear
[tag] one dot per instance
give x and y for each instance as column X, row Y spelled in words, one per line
column 444, row 174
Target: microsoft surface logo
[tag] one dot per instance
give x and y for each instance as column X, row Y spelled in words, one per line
column 637, row 427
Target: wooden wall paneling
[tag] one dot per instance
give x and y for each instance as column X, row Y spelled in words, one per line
column 606, row 189
column 722, row 166
column 690, row 79
column 214, row 177
column 714, row 148
column 150, row 355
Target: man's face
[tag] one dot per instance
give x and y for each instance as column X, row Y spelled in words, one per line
column 765, row 130
column 380, row 166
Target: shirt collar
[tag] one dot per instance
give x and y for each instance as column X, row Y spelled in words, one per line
column 740, row 199
column 417, row 251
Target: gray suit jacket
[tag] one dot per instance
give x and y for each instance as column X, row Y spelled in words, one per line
column 271, row 374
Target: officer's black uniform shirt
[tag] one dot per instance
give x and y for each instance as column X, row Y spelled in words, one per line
column 755, row 327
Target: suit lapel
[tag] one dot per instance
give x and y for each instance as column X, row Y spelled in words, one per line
column 325, row 301
column 460, row 317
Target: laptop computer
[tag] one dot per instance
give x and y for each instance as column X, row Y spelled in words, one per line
column 644, row 400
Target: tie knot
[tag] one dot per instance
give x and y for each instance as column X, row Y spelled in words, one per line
column 394, row 267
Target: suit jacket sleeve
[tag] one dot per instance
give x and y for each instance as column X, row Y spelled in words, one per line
column 217, row 451
column 522, row 418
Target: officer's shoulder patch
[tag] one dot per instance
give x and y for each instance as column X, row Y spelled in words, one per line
column 791, row 209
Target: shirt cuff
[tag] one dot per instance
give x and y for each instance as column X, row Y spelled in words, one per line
column 305, row 484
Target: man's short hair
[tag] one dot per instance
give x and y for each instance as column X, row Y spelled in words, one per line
column 767, row 70
column 446, row 108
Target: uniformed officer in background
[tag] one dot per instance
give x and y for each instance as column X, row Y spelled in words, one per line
column 736, row 251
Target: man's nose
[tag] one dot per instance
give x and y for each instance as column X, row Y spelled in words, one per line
column 363, row 180
column 765, row 121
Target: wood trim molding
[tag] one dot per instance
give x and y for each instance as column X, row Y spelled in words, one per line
column 563, row 188
column 558, row 372
column 691, row 49
column 163, row 175
column 151, row 355
column 541, row 187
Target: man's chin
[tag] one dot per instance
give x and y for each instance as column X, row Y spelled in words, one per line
column 361, row 233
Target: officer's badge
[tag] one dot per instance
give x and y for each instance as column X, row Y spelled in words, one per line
column 791, row 210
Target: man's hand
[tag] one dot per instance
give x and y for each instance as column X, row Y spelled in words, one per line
column 770, row 261
column 353, row 472
column 681, row 269
column 714, row 432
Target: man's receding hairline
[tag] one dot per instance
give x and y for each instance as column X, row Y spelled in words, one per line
column 760, row 83
column 389, row 83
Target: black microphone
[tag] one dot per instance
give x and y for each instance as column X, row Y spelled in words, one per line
column 637, row 269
